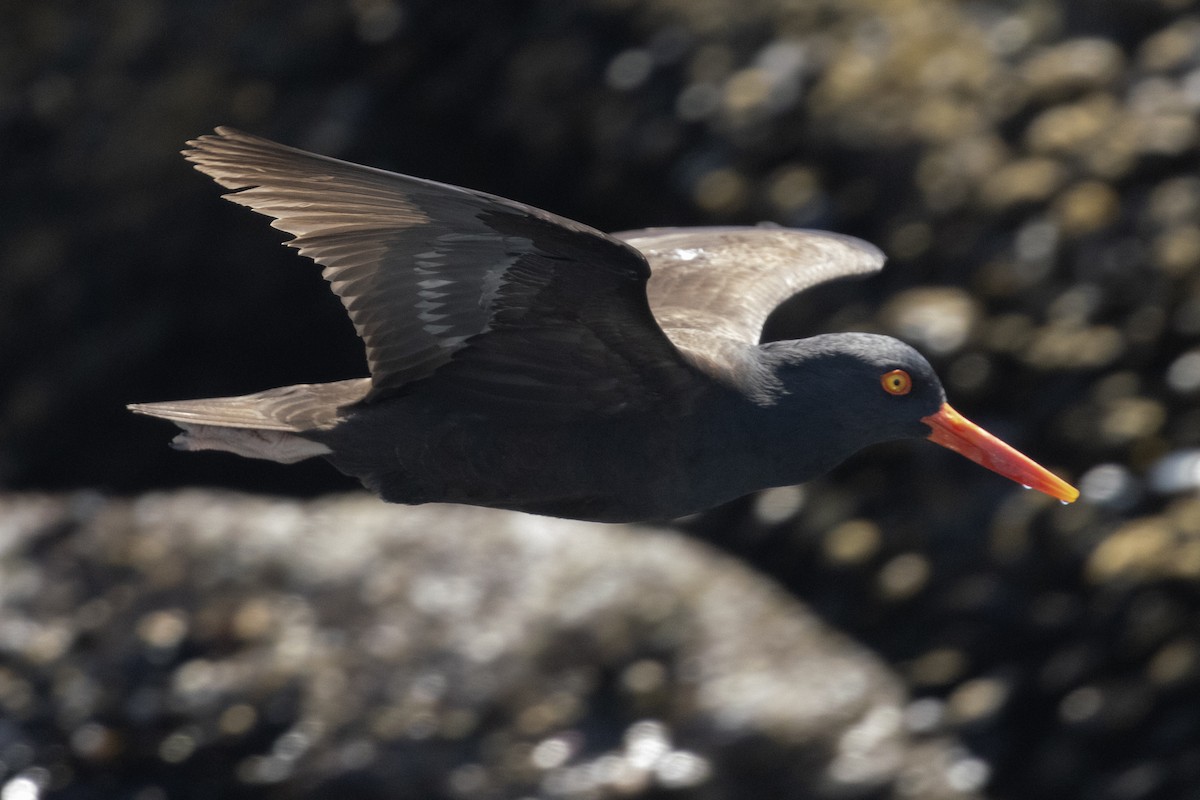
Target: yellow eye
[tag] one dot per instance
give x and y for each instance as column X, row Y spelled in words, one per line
column 896, row 382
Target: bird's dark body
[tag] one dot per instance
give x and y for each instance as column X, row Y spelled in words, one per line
column 619, row 466
column 521, row 360
column 618, row 469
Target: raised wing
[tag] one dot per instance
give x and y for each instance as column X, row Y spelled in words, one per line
column 725, row 282
column 530, row 307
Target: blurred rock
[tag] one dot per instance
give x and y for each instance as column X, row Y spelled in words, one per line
column 1073, row 65
column 343, row 647
column 936, row 320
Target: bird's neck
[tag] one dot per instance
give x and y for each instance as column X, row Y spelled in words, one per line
column 759, row 434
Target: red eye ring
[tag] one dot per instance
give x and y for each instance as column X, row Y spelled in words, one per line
column 896, row 382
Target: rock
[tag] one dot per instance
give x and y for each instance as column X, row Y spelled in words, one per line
column 343, row 647
column 1074, row 65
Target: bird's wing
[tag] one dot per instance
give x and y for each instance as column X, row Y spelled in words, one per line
column 726, row 281
column 494, row 297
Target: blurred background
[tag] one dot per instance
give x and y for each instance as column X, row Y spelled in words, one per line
column 1031, row 167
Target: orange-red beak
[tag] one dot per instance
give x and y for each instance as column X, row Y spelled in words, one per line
column 953, row 430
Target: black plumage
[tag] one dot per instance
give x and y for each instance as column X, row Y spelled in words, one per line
column 522, row 360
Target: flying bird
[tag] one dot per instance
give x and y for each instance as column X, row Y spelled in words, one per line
column 521, row 360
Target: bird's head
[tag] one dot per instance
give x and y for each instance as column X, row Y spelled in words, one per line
column 871, row 388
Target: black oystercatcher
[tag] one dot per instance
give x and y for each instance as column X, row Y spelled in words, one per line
column 521, row 360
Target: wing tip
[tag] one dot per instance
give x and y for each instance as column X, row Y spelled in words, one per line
column 203, row 143
column 237, row 160
column 221, row 134
column 874, row 257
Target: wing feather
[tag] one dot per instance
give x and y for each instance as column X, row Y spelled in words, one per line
column 436, row 278
column 726, row 281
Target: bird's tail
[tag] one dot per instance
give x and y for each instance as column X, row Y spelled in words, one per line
column 260, row 425
column 304, row 407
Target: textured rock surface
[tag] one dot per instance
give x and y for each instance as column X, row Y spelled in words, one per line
column 216, row 645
